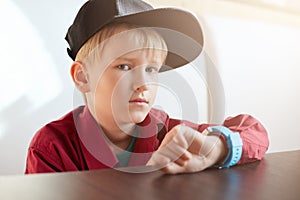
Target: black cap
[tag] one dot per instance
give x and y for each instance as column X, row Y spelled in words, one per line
column 180, row 29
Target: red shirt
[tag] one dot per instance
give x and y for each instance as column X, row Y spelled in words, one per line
column 76, row 142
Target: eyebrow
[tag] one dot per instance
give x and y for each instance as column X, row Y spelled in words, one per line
column 125, row 58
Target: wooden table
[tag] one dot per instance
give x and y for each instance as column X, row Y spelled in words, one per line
column 277, row 176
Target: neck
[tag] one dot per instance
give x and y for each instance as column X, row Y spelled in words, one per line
column 119, row 138
column 119, row 134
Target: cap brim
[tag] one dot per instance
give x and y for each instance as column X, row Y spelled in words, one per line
column 180, row 29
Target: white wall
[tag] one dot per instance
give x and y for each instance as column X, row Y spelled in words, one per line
column 35, row 84
column 257, row 52
column 257, row 59
column 260, row 65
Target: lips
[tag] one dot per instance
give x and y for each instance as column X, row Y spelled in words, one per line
column 139, row 100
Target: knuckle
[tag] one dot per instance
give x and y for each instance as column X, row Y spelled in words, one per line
column 178, row 128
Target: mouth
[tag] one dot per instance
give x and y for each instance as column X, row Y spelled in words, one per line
column 139, row 101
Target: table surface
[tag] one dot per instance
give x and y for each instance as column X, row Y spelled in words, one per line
column 277, row 176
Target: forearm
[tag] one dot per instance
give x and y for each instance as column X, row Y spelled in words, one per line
column 253, row 134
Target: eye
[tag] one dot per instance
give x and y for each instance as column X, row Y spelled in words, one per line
column 151, row 69
column 123, row 67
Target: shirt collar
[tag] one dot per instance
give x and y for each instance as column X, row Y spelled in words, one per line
column 93, row 138
column 96, row 143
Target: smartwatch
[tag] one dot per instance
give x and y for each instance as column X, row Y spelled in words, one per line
column 234, row 144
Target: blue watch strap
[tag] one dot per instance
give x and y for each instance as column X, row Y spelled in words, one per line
column 234, row 144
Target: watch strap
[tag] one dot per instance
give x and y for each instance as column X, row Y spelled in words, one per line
column 234, row 145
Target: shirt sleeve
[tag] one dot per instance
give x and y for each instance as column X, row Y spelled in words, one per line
column 41, row 162
column 253, row 134
column 51, row 151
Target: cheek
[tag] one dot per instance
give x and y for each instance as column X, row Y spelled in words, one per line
column 104, row 90
column 153, row 91
column 113, row 93
column 123, row 86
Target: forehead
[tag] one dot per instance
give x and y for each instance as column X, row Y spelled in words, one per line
column 116, row 41
column 151, row 55
column 126, row 45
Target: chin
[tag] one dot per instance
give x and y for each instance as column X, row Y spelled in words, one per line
column 138, row 117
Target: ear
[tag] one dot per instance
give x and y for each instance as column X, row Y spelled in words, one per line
column 80, row 76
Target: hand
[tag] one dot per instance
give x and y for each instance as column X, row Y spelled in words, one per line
column 186, row 150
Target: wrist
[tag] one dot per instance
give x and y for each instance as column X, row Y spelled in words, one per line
column 221, row 146
column 224, row 149
column 233, row 143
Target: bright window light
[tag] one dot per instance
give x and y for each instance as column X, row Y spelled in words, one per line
column 27, row 69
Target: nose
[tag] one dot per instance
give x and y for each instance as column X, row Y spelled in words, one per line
column 140, row 80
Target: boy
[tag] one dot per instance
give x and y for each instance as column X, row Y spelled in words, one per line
column 118, row 48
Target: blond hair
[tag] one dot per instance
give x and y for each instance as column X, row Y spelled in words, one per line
column 146, row 37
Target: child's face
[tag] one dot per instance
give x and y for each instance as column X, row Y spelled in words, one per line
column 124, row 88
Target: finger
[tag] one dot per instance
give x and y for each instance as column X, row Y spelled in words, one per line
column 159, row 160
column 186, row 156
column 172, row 152
column 183, row 159
column 181, row 140
column 208, row 145
column 180, row 162
column 181, row 134
column 196, row 164
column 171, row 134
column 173, row 168
column 192, row 138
